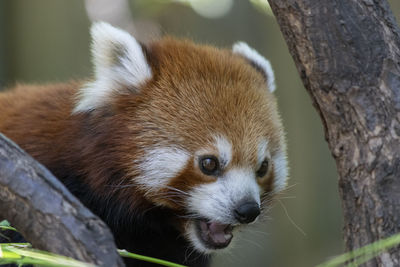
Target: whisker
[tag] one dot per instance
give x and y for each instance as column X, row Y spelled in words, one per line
column 288, row 197
column 291, row 220
column 120, row 186
column 172, row 200
column 190, row 216
column 265, row 219
column 149, row 209
column 253, row 231
column 177, row 190
column 191, row 252
column 266, row 201
column 252, row 242
column 285, row 190
column 171, row 194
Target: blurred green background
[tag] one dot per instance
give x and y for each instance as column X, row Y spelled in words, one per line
column 48, row 41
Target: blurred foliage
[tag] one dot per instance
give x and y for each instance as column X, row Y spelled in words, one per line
column 22, row 254
column 48, row 41
column 263, row 6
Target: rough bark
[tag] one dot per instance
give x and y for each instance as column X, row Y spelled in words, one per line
column 47, row 214
column 347, row 54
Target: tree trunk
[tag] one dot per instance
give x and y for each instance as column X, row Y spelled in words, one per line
column 347, row 54
column 47, row 214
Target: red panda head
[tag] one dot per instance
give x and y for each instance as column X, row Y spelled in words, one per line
column 199, row 134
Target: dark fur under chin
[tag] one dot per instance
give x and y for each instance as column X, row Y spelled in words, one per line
column 147, row 232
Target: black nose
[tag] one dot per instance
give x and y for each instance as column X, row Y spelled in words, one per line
column 246, row 212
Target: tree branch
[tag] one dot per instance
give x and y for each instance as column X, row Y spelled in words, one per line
column 347, row 54
column 47, row 214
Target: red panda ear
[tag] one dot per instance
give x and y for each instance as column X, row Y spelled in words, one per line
column 119, row 63
column 257, row 61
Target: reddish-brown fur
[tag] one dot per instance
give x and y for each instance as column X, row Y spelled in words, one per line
column 196, row 92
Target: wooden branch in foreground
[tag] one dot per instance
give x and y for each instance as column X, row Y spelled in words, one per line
column 47, row 214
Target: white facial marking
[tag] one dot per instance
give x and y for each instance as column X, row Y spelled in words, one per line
column 262, row 152
column 160, row 164
column 191, row 234
column 252, row 55
column 224, row 149
column 119, row 62
column 217, row 201
column 281, row 171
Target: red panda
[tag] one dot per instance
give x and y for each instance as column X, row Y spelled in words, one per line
column 176, row 146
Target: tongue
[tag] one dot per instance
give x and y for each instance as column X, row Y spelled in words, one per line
column 217, row 234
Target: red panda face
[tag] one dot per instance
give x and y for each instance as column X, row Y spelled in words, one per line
column 202, row 135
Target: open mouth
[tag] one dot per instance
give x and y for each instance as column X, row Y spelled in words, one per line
column 214, row 235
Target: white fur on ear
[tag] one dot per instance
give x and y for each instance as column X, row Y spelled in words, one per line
column 258, row 60
column 119, row 62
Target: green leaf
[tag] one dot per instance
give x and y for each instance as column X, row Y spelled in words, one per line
column 125, row 253
column 21, row 253
column 4, row 223
column 363, row 254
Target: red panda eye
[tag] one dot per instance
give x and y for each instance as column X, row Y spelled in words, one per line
column 209, row 165
column 263, row 169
